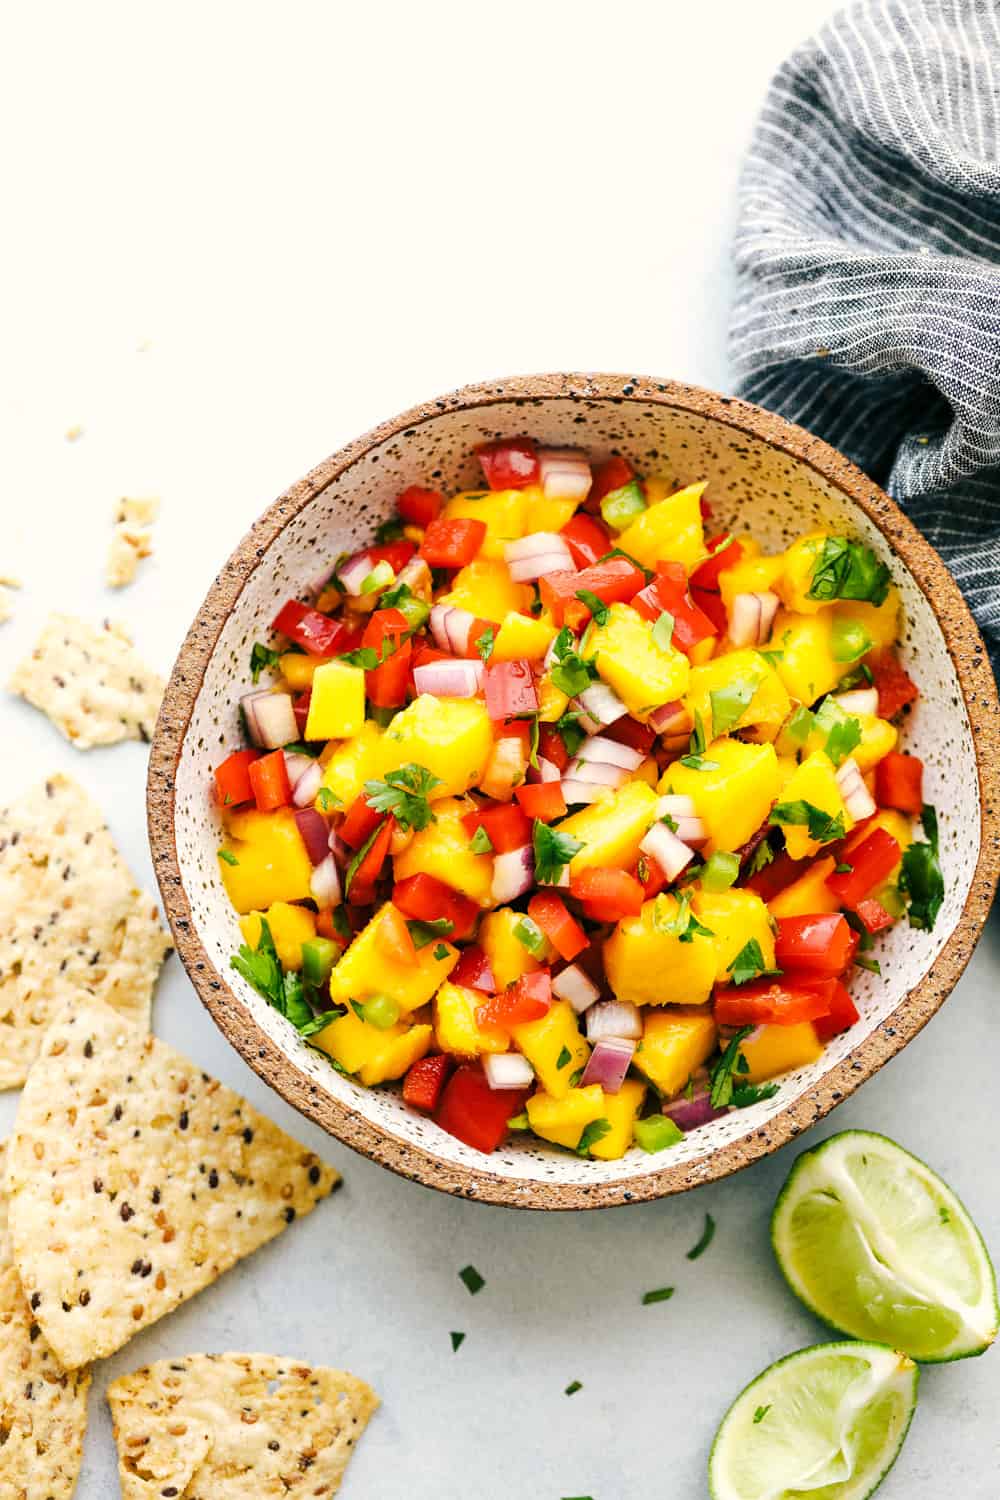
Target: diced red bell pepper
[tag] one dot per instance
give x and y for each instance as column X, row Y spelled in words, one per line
column 360, row 822
column 586, row 539
column 614, row 582
column 899, row 783
column 608, row 476
column 607, row 895
column 773, row 877
column 232, row 778
column 559, row 926
column 722, row 554
column 387, row 684
column 669, row 592
column 362, row 887
column 473, row 1112
column 419, row 506
column 527, row 999
column 269, row 780
column 552, row 746
column 506, row 824
column 896, row 687
column 873, row 915
column 314, row 632
column 871, row 861
column 650, row 876
column 473, row 971
column 510, row 464
column 424, row 898
column 544, row 800
column 774, row 1002
column 396, row 554
column 842, row 1014
column 393, row 937
column 424, row 653
column 819, row 947
column 451, row 543
column 510, row 690
column 425, row 1081
column 712, row 607
column 628, row 731
column 325, row 927
column 477, row 629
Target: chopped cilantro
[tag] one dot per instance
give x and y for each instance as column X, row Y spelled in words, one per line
column 707, row 1235
column 440, row 952
column 729, row 705
column 848, row 640
column 389, row 531
column 620, row 552
column 288, row 994
column 423, row 933
column 683, row 925
column 871, row 964
column 553, row 851
column 404, row 794
column 848, row 570
column 761, row 1413
column 533, row 737
column 745, row 1094
column 327, row 798
column 485, row 643
column 800, row 725
column 569, row 672
column 822, row 826
column 573, row 1387
column 749, row 963
column 357, row 858
column 661, row 1294
column 592, row 1133
column 842, row 730
column 663, row 631
column 721, row 1075
column 761, row 856
column 921, row 878
column 564, row 1059
column 598, row 609
column 262, row 659
column 843, row 868
column 481, row 843
column 457, row 1340
column 473, row 1281
column 772, row 657
column 577, row 1074
column 228, row 856
column 570, row 732
column 696, row 748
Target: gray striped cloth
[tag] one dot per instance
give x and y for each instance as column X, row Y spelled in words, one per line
column 868, row 261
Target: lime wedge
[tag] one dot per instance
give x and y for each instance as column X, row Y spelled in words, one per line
column 878, row 1247
column 825, row 1423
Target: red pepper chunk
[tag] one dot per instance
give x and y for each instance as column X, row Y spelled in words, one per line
column 269, row 780
column 871, row 862
column 527, row 999
column 232, row 778
column 722, row 554
column 507, row 826
column 669, row 593
column 614, row 582
column 562, row 930
column 818, row 947
column 607, row 895
column 586, row 539
column 396, row 554
column 510, row 690
column 362, row 888
column 418, row 506
column 510, row 464
column 360, row 822
column 552, row 746
column 474, row 1113
column 873, row 915
column 386, row 686
column 423, row 1084
column 628, row 731
column 774, row 876
column 895, row 686
column 451, row 543
column 543, row 800
column 899, row 783
column 608, row 476
column 308, row 628
column 774, row 1002
column 473, row 971
column 842, row 1014
column 424, row 898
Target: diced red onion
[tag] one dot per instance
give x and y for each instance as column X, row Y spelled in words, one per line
column 508, row 1070
column 751, row 617
column 546, row 770
column 596, row 773
column 315, row 834
column 353, row 573
column 689, row 1114
column 275, row 720
column 860, row 701
column 690, row 829
column 513, row 874
column 578, row 988
column 305, row 789
column 536, row 544
column 417, row 577
column 248, row 703
column 600, row 748
column 296, row 765
column 608, row 1063
column 449, row 679
column 563, row 474
column 342, row 853
column 600, row 703
column 671, row 718
column 857, row 798
column 671, row 853
column 614, row 1018
column 530, row 568
column 582, row 791
column 324, row 887
column 450, row 627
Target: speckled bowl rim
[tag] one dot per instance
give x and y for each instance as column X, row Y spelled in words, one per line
column 235, row 1020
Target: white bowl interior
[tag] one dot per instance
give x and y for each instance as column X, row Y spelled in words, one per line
column 751, row 486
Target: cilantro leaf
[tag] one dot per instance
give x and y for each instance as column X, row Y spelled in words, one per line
column 822, row 826
column 745, row 1094
column 262, row 659
column 848, row 570
column 533, row 738
column 921, row 878
column 707, row 1236
column 321, row 1022
column 365, row 657
column 729, row 705
column 357, row 858
column 404, row 794
column 481, row 843
column 485, row 643
column 228, row 856
column 800, row 725
column 749, row 963
column 683, row 925
column 663, row 631
column 569, row 672
column 389, row 531
column 440, row 953
column 423, row 933
column 842, row 730
column 553, row 851
column 598, row 609
column 721, row 1076
column 327, row 798
column 564, row 1059
column 696, row 744
column 569, row 730
column 592, row 1133
column 771, row 657
column 762, row 856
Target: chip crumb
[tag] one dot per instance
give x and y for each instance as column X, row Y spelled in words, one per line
column 75, row 433
column 132, row 538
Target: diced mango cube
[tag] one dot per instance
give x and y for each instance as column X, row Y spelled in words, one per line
column 289, row 926
column 745, row 671
column 806, row 665
column 642, row 673
column 504, row 512
column 797, row 573
column 398, row 1056
column 896, row 824
column 442, row 850
column 564, row 1120
column 878, row 737
column 450, row 737
column 809, row 895
column 520, row 638
column 552, row 701
column 554, row 1047
column 547, row 515
column 337, row 705
column 621, row 1111
column 675, row 1042
column 735, row 918
column 733, row 796
column 508, row 956
column 751, row 575
column 366, row 969
column 669, row 530
column 611, row 830
column 648, row 966
column 455, row 1023
column 882, row 621
column 270, row 860
column 354, row 1043
column 351, row 764
column 485, row 588
column 778, row 1049
column 297, row 668
column 815, row 782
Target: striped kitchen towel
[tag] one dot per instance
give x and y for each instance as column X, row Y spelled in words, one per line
column 868, row 260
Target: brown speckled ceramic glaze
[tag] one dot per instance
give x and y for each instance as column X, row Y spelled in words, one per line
column 764, row 474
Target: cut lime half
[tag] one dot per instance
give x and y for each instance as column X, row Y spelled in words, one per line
column 880, row 1248
column 826, row 1423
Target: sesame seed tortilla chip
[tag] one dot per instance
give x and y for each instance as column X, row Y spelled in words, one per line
column 72, row 919
column 235, row 1426
column 43, row 1409
column 90, row 682
column 135, row 1180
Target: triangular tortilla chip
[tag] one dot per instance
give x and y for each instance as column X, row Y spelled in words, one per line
column 71, row 918
column 43, row 1409
column 236, row 1427
column 135, row 1180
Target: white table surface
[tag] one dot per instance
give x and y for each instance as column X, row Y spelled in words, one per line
column 235, row 237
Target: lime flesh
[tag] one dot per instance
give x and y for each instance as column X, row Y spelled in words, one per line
column 880, row 1248
column 825, row 1423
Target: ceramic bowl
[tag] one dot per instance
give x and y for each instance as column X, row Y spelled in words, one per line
column 764, row 474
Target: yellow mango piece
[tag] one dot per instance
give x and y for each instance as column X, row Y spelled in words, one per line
column 744, row 668
column 878, row 737
column 882, row 621
column 669, row 530
column 554, row 1047
column 732, row 798
column 797, row 574
column 485, row 588
column 337, row 705
column 647, row 771
column 442, row 850
column 552, row 701
column 806, row 665
column 751, row 575
column 674, row 1044
column 564, row 1120
column 508, row 956
column 520, row 638
column 400, row 1053
column 814, row 781
column 735, row 918
column 808, row 896
column 450, row 737
column 353, row 1043
column 778, row 1049
column 648, row 966
column 786, row 768
column 366, row 969
column 455, row 1023
column 547, row 515
column 271, row 860
column 643, row 674
column 290, row 927
column 621, row 1111
column 297, row 668
column 505, row 514
column 896, row 824
column 352, row 763
column 611, row 830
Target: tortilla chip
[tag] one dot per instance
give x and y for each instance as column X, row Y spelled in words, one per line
column 71, row 919
column 90, row 682
column 135, row 1180
column 236, row 1427
column 43, row 1410
column 138, row 510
